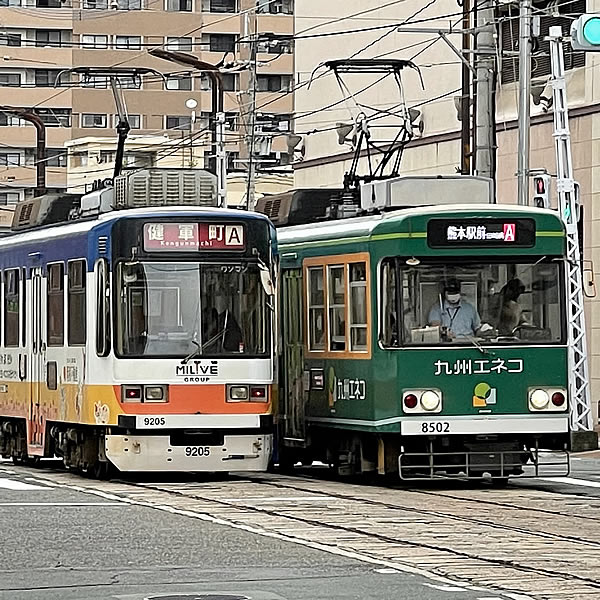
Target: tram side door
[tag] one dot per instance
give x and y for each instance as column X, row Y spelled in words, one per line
column 294, row 394
column 37, row 351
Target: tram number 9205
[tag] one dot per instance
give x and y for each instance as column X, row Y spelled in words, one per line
column 197, row 451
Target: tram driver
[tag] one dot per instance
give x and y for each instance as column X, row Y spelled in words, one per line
column 456, row 317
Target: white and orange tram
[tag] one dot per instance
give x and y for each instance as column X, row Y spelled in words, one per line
column 142, row 339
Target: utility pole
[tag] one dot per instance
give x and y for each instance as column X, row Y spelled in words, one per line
column 486, row 80
column 250, row 29
column 525, row 45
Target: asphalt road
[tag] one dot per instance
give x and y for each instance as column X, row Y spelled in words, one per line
column 58, row 543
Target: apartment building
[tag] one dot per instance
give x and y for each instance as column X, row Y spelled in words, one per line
column 436, row 148
column 42, row 38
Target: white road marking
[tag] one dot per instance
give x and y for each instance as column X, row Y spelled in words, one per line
column 386, row 571
column 448, row 588
column 13, row 484
column 490, row 598
column 120, row 504
column 278, row 536
column 572, row 481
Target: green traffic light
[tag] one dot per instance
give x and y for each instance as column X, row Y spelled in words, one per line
column 591, row 31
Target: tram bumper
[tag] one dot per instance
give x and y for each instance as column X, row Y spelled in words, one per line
column 475, row 447
column 156, row 453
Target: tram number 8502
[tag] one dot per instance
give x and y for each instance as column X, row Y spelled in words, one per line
column 197, row 451
column 436, row 427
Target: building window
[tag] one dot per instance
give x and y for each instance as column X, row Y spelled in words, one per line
column 220, row 42
column 97, row 42
column 11, row 308
column 128, row 42
column 52, row 37
column 178, row 122
column 275, row 7
column 10, row 2
column 56, row 157
column 179, row 82
column 56, row 306
column 273, row 44
column 10, row 39
column 140, row 160
column 9, row 198
column 94, row 81
column 338, row 305
column 55, row 117
column 219, row 6
column 135, row 121
column 93, row 120
column 95, row 4
column 230, row 82
column 540, row 63
column 233, row 161
column 10, row 79
column 76, row 323
column 49, row 78
column 80, row 159
column 10, row 159
column 130, row 4
column 49, row 4
column 179, row 5
column 274, row 83
column 181, row 44
column 274, row 122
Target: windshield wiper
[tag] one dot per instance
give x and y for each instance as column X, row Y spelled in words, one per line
column 196, row 352
column 477, row 345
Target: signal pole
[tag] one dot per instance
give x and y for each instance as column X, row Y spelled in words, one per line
column 525, row 44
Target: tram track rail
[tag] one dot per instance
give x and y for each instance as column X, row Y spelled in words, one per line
column 443, row 533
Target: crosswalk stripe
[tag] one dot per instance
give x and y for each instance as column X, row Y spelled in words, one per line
column 13, row 484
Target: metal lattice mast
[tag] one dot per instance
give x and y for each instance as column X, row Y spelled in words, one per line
column 581, row 409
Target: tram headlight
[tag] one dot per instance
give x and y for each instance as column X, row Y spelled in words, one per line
column 430, row 400
column 538, row 399
column 237, row 393
column 548, row 399
column 155, row 393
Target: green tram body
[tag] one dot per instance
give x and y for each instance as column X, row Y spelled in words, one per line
column 343, row 383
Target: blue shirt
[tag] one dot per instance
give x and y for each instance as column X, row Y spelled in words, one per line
column 462, row 318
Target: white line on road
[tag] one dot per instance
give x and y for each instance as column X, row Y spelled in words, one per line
column 447, row 588
column 571, row 481
column 13, row 484
column 120, row 504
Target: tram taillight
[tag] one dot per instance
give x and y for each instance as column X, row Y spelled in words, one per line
column 410, row 401
column 558, row 398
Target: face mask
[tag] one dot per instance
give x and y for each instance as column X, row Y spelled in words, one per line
column 453, row 298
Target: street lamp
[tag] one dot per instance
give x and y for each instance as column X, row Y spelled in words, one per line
column 217, row 162
column 191, row 104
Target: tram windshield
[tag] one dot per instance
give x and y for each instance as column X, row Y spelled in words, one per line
column 181, row 308
column 492, row 303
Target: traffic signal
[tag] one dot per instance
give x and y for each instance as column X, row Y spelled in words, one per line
column 585, row 33
column 541, row 191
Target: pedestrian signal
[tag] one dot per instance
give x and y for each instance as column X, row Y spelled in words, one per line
column 541, row 191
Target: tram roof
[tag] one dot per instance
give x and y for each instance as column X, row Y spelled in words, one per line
column 369, row 226
column 81, row 226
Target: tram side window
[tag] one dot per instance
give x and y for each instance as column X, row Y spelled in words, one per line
column 11, row 308
column 76, row 325
column 316, row 309
column 358, row 307
column 389, row 294
column 56, row 305
column 102, row 308
column 337, row 308
column 24, row 312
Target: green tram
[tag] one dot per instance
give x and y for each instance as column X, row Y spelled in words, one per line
column 425, row 341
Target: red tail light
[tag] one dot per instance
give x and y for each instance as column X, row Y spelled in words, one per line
column 258, row 392
column 558, row 398
column 410, row 401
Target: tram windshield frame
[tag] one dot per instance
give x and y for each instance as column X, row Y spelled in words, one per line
column 516, row 301
column 182, row 308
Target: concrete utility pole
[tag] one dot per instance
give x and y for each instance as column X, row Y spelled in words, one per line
column 250, row 28
column 465, row 96
column 485, row 64
column 525, row 44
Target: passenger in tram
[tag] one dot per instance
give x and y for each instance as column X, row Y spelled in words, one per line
column 456, row 317
column 511, row 313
